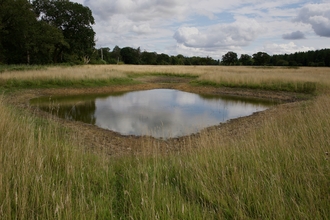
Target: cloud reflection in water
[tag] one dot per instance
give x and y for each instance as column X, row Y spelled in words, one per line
column 167, row 113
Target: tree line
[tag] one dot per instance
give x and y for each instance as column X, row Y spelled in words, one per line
column 45, row 31
column 60, row 31
column 130, row 55
column 309, row 58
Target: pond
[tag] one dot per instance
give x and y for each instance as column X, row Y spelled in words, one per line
column 161, row 113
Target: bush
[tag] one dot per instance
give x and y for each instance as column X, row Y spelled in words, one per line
column 282, row 63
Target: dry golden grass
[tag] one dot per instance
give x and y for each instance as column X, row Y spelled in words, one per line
column 279, row 170
column 71, row 73
column 235, row 74
column 252, row 75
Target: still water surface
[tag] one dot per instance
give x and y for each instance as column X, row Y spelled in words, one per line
column 161, row 113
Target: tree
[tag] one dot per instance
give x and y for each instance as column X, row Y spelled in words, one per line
column 74, row 21
column 15, row 22
column 23, row 38
column 44, row 42
column 229, row 58
column 163, row 59
column 261, row 58
column 130, row 55
column 149, row 58
column 4, row 4
column 282, row 63
column 115, row 54
column 181, row 59
column 245, row 59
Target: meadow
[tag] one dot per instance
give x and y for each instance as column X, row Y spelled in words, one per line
column 278, row 170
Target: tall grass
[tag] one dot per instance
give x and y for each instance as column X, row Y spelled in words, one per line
column 81, row 76
column 278, row 170
column 235, row 74
column 305, row 80
column 42, row 173
column 4, row 68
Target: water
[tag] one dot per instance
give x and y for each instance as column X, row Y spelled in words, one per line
column 161, row 113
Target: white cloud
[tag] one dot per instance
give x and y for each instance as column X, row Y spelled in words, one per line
column 142, row 29
column 273, row 48
column 237, row 34
column 80, row 1
column 318, row 16
column 209, row 27
column 138, row 10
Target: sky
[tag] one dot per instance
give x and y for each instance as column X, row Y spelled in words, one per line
column 212, row 27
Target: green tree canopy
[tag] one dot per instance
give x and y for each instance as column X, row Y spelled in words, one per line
column 17, row 23
column 130, row 55
column 75, row 21
column 245, row 59
column 261, row 58
column 44, row 31
column 229, row 58
column 149, row 58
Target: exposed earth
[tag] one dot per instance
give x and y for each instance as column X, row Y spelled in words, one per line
column 114, row 144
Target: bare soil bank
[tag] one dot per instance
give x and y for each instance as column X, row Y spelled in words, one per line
column 111, row 143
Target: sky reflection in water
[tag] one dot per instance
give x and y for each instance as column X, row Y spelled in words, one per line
column 160, row 112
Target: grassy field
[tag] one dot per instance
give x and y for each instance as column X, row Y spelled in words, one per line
column 59, row 77
column 281, row 170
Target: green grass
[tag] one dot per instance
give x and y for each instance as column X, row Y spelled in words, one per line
column 163, row 74
column 299, row 87
column 4, row 68
column 279, row 171
column 60, row 83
